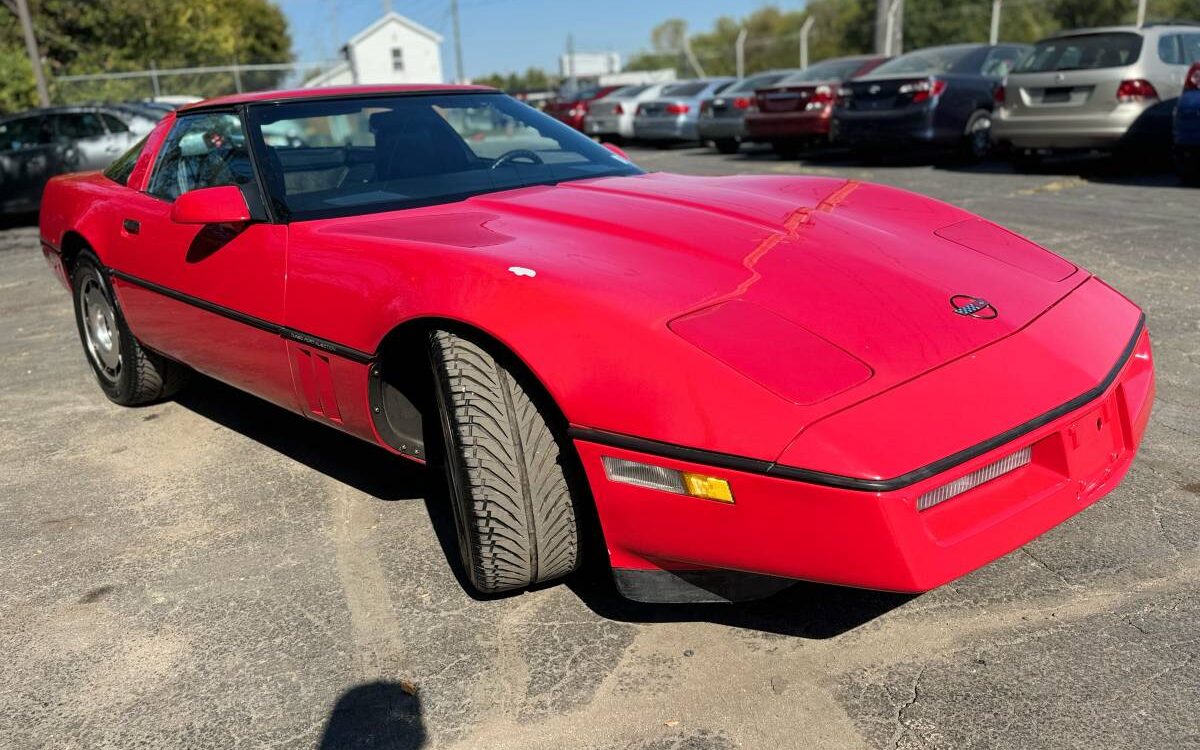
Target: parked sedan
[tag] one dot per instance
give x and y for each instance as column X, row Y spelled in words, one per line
column 1187, row 128
column 1095, row 89
column 797, row 110
column 722, row 118
column 38, row 144
column 675, row 115
column 611, row 117
column 572, row 108
column 939, row 96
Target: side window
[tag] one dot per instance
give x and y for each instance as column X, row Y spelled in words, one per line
column 1168, row 49
column 204, row 150
column 1000, row 61
column 122, row 168
column 1190, row 44
column 113, row 123
column 74, row 126
column 25, row 132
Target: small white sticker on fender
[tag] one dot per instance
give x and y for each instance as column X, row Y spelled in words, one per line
column 519, row 271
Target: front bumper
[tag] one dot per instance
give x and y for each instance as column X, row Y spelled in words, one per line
column 876, row 539
column 679, row 128
column 721, row 128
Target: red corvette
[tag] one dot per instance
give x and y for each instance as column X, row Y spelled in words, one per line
column 746, row 380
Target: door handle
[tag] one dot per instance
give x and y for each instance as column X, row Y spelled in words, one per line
column 131, row 226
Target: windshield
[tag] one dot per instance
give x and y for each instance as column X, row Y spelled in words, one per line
column 340, row 157
column 829, row 70
column 1085, row 52
column 925, row 62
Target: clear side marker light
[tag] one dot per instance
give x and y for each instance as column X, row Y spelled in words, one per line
column 994, row 470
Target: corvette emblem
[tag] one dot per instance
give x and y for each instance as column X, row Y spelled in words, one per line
column 973, row 307
column 873, row 90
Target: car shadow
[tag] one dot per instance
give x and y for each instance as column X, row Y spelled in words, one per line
column 375, row 716
column 804, row 610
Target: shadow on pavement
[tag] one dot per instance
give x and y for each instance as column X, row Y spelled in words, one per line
column 375, row 716
column 349, row 460
column 804, row 610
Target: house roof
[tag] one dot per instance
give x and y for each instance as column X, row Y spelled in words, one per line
column 393, row 16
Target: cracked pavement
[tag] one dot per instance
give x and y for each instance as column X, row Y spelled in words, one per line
column 214, row 572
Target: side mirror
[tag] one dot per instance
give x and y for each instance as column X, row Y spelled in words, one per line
column 617, row 150
column 214, row 205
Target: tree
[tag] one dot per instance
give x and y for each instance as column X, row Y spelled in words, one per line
column 119, row 35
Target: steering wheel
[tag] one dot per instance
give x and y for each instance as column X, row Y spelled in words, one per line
column 516, row 153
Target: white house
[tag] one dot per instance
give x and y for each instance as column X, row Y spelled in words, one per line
column 394, row 49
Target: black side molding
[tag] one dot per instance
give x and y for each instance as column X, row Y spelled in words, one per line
column 315, row 342
column 825, row 479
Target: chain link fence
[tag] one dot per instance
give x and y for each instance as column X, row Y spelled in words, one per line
column 199, row 81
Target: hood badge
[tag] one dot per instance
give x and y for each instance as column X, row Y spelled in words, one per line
column 973, row 307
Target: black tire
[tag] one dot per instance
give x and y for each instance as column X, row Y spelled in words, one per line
column 786, row 149
column 128, row 373
column 513, row 508
column 727, row 145
column 977, row 138
column 1187, row 166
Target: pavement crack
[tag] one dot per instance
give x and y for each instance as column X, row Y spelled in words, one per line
column 1043, row 564
column 902, row 727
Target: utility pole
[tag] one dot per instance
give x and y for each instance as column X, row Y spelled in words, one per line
column 804, row 29
column 691, row 57
column 35, row 57
column 994, row 37
column 572, row 84
column 889, row 27
column 1141, row 13
column 458, row 66
column 740, row 47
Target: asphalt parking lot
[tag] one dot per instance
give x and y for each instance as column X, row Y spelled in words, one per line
column 214, row 572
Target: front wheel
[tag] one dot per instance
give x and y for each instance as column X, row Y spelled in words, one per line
column 128, row 373
column 512, row 506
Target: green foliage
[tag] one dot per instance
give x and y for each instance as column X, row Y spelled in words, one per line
column 533, row 79
column 845, row 27
column 79, row 37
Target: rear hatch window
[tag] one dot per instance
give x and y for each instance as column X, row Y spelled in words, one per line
column 684, row 89
column 1083, row 52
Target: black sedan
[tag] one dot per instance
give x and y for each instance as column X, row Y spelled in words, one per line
column 40, row 143
column 939, row 96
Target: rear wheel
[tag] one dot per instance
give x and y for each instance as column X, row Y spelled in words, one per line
column 727, row 145
column 977, row 138
column 1187, row 166
column 786, row 149
column 512, row 506
column 128, row 373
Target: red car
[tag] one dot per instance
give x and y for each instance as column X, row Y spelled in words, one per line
column 573, row 108
column 797, row 111
column 746, row 380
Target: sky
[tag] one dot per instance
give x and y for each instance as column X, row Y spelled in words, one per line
column 500, row 36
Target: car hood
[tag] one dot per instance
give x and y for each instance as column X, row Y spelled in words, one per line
column 866, row 271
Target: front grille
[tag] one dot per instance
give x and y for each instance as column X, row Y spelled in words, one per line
column 993, row 470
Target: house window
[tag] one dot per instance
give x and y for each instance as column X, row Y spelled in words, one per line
column 397, row 59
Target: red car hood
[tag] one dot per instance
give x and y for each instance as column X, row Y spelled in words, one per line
column 868, row 269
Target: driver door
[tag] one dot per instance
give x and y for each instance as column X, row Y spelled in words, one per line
column 210, row 296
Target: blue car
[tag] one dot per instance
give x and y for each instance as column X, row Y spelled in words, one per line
column 938, row 96
column 1187, row 128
